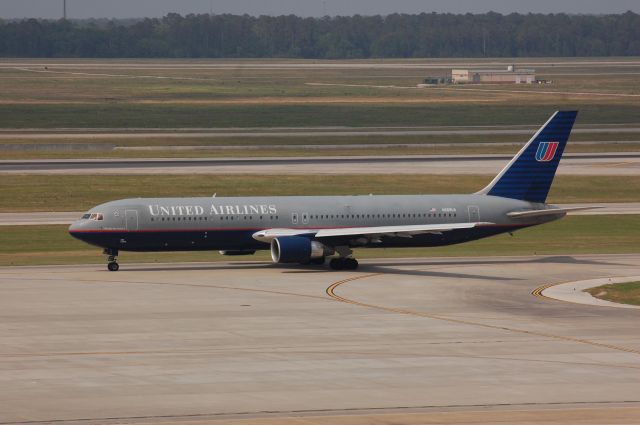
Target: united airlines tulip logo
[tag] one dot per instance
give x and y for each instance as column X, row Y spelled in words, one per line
column 546, row 151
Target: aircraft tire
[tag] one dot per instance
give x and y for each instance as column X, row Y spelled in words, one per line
column 351, row 264
column 113, row 267
column 336, row 264
column 343, row 264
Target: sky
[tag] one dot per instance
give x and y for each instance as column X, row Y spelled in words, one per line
column 10, row 9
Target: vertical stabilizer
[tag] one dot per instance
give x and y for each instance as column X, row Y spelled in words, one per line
column 530, row 173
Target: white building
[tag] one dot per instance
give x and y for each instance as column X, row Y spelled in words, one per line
column 511, row 75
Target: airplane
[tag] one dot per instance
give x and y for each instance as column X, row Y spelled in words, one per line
column 309, row 229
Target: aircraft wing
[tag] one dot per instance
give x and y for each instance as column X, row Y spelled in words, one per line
column 379, row 231
column 406, row 230
column 548, row 211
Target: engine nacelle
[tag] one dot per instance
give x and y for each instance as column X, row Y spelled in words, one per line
column 237, row 252
column 297, row 249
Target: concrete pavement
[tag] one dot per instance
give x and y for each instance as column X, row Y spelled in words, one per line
column 622, row 163
column 185, row 342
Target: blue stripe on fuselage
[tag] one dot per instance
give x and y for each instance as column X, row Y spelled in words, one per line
column 242, row 239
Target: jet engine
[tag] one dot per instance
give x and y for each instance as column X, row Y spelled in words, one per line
column 298, row 249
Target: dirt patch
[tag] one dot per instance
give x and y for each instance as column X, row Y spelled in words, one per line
column 317, row 100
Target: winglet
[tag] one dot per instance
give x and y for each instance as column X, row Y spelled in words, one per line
column 529, row 175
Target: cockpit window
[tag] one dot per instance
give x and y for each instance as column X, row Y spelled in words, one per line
column 96, row 216
column 85, row 216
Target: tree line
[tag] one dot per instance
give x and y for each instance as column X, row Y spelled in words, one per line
column 343, row 37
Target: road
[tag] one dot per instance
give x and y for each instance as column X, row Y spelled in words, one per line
column 159, row 133
column 412, row 338
column 624, row 163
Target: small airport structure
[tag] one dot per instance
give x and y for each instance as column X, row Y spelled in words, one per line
column 510, row 75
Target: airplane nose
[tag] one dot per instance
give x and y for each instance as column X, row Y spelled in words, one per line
column 74, row 227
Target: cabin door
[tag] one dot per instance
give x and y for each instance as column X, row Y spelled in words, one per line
column 131, row 218
column 474, row 214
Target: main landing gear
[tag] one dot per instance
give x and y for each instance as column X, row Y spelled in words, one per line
column 345, row 261
column 112, row 259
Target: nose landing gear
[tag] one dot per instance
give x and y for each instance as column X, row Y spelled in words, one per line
column 112, row 262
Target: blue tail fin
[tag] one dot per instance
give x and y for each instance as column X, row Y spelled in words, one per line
column 530, row 173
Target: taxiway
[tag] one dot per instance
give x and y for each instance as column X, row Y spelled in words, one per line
column 621, row 163
column 184, row 342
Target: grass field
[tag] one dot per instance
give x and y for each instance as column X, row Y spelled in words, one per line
column 28, row 245
column 303, row 115
column 170, row 93
column 22, row 193
column 159, row 146
column 625, row 293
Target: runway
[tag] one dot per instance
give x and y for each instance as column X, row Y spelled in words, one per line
column 249, row 133
column 619, row 163
column 49, row 217
column 399, row 341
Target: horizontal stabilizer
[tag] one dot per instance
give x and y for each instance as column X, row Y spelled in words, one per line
column 548, row 211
